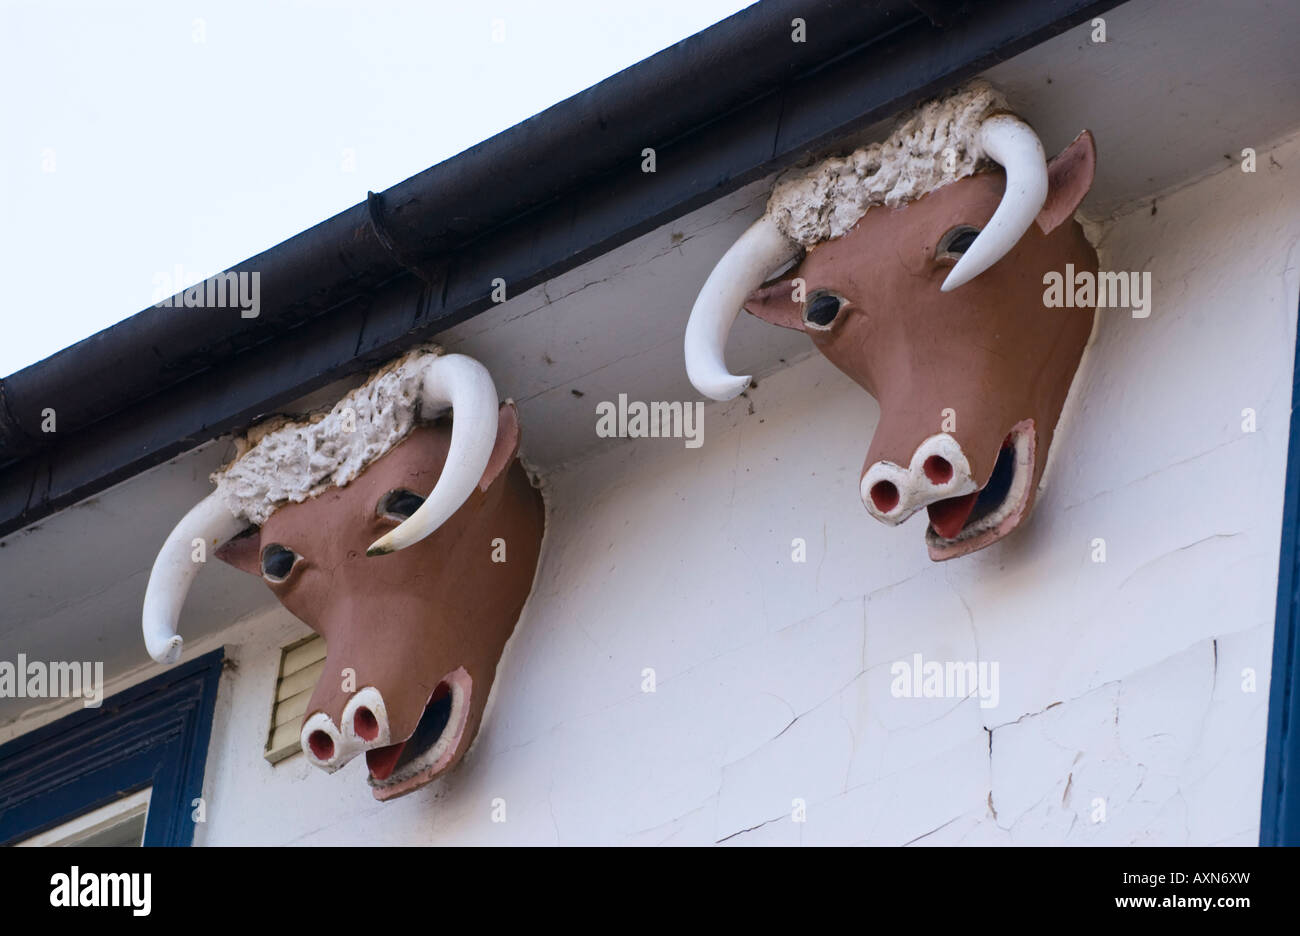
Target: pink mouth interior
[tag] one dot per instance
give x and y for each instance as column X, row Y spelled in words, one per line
column 383, row 761
column 949, row 516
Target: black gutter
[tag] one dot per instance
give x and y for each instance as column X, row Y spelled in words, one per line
column 722, row 108
column 434, row 213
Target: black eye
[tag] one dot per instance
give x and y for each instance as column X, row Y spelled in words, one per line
column 820, row 311
column 401, row 503
column 277, row 560
column 956, row 242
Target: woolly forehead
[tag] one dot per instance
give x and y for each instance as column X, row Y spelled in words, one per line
column 291, row 461
column 934, row 146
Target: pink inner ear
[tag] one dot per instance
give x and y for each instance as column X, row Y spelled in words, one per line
column 244, row 552
column 773, row 302
column 1069, row 177
column 507, row 444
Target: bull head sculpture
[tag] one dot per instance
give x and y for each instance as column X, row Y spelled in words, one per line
column 918, row 272
column 384, row 528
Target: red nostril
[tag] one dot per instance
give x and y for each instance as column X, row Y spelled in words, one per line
column 937, row 469
column 884, row 495
column 365, row 724
column 321, row 744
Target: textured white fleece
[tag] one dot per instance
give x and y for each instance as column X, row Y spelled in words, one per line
column 936, row 144
column 287, row 461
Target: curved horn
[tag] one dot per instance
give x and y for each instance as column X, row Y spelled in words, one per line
column 174, row 570
column 1012, row 143
column 466, row 386
column 758, row 253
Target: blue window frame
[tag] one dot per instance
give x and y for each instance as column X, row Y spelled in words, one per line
column 151, row 735
column 1279, row 822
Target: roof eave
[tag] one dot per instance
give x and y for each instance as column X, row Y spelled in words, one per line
column 729, row 105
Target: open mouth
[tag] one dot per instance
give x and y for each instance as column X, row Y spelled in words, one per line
column 402, row 767
column 960, row 525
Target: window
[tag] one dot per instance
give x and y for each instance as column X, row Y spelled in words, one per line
column 300, row 666
column 130, row 769
column 119, row 824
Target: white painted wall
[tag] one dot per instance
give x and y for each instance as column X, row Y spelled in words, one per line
column 1119, row 682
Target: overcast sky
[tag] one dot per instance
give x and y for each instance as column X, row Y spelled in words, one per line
column 136, row 137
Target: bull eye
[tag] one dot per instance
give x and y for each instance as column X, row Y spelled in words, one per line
column 821, row 310
column 399, row 504
column 956, row 242
column 277, row 562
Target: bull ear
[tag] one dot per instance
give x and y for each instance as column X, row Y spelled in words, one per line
column 244, row 552
column 507, row 444
column 774, row 303
column 1069, row 177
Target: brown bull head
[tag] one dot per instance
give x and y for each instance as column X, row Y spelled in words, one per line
column 934, row 307
column 415, row 607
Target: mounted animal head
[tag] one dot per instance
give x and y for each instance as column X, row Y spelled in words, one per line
column 408, row 540
column 916, row 267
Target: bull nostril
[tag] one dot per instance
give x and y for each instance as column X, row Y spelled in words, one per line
column 884, row 495
column 938, row 469
column 321, row 744
column 365, row 724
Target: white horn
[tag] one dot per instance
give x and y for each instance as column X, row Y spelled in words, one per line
column 466, row 386
column 756, row 255
column 174, row 570
column 1014, row 145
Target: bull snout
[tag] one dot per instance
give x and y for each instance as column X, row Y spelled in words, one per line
column 937, row 470
column 362, row 726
